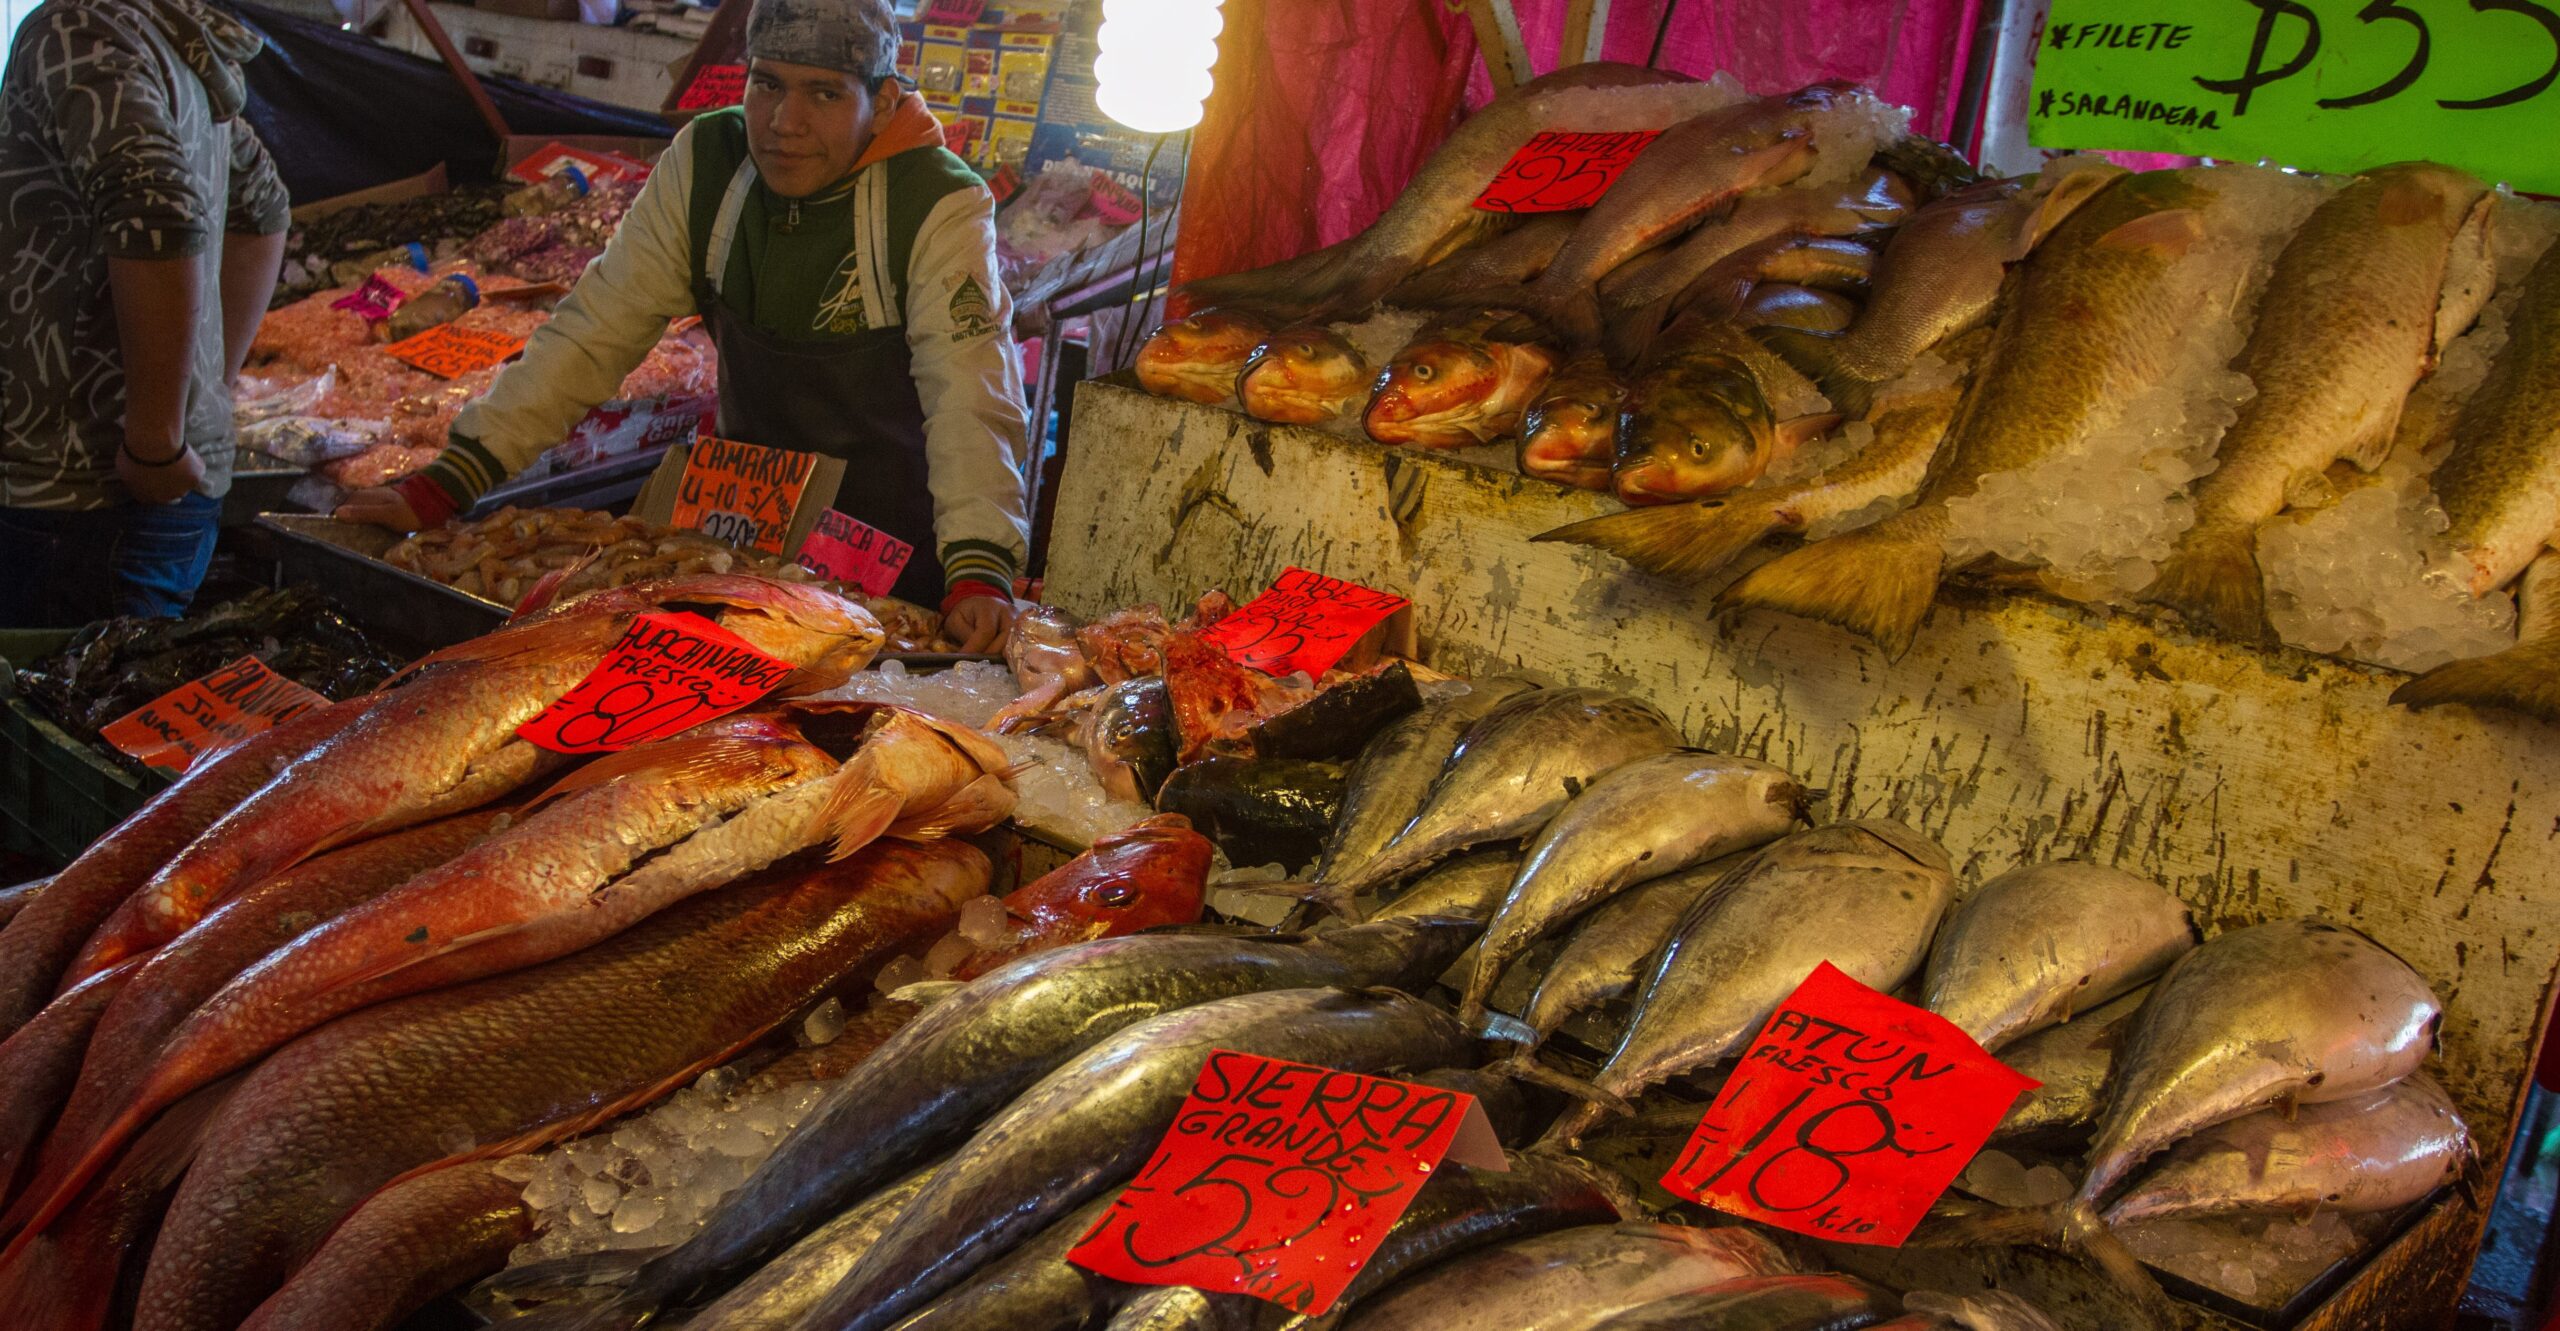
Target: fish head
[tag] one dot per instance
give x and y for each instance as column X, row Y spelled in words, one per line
column 1303, row 375
column 1434, row 389
column 1571, row 431
column 1144, row 876
column 1697, row 426
column 1197, row 359
column 1042, row 646
column 827, row 635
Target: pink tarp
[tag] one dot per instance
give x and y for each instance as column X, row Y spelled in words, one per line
column 1325, row 108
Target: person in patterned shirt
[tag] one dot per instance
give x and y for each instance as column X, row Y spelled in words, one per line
column 142, row 229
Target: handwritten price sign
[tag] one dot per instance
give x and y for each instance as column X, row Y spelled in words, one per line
column 1279, row 1179
column 1559, row 170
column 713, row 87
column 741, row 493
column 1847, row 1118
column 669, row 673
column 855, row 553
column 450, row 352
column 1307, row 621
column 2337, row 85
column 202, row 715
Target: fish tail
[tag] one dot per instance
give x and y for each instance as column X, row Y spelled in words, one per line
column 1822, row 358
column 1509, row 1030
column 2212, row 579
column 603, row 1291
column 1290, row 286
column 2090, row 1237
column 1876, row 582
column 1330, row 896
column 62, row 1282
column 1596, row 1101
column 2523, row 678
column 1684, row 542
column 857, row 811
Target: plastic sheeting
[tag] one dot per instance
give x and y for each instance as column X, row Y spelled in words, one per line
column 1325, row 108
column 340, row 112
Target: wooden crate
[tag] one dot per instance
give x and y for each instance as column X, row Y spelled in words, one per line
column 2258, row 785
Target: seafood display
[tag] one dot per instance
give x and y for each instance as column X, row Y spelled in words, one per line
column 113, row 666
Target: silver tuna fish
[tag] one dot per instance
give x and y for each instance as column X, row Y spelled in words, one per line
column 2038, row 943
column 1569, row 1280
column 1616, row 946
column 2374, row 1152
column 1392, row 777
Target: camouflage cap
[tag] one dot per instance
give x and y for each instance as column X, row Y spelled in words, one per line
column 859, row 37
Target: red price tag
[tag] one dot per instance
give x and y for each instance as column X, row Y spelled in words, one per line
column 552, row 158
column 713, row 87
column 855, row 553
column 1307, row 621
column 669, row 673
column 741, row 493
column 1850, row 1114
column 1113, row 203
column 373, row 302
column 1279, row 1179
column 203, row 715
column 953, row 13
column 450, row 352
column 1560, row 170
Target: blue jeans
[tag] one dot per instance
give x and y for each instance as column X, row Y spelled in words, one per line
column 66, row 566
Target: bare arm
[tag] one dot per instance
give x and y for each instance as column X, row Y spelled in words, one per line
column 249, row 268
column 157, row 303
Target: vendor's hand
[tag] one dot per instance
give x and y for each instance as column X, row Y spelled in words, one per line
column 979, row 624
column 382, row 506
column 172, row 479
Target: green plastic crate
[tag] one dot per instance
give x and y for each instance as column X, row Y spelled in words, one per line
column 58, row 793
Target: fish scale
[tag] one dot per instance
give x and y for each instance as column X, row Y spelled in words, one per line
column 2500, row 485
column 1570, row 1279
column 1393, row 775
column 406, row 1245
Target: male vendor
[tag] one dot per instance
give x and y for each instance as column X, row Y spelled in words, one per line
column 844, row 264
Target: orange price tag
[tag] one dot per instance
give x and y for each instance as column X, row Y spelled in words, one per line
column 744, row 494
column 1559, row 170
column 669, row 673
column 203, row 715
column 450, row 352
column 713, row 87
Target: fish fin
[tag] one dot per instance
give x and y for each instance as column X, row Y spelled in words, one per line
column 706, row 759
column 2523, row 678
column 1535, row 1073
column 546, row 588
column 2055, row 204
column 975, row 807
column 564, row 1277
column 2167, row 234
column 1876, row 582
column 1331, row 897
column 2369, row 452
column 1575, row 317
column 2001, row 1226
column 926, row 993
column 2212, row 579
column 856, row 813
column 1683, row 542
column 1024, row 712
column 1818, row 357
column 1494, row 1025
column 626, row 1312
column 1797, row 431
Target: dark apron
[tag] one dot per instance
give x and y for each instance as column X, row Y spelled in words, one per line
column 852, row 398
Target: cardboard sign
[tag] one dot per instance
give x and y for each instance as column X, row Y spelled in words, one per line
column 1850, row 1114
column 2335, row 85
column 557, row 157
column 203, row 715
column 670, row 672
column 1307, row 621
column 855, row 553
column 449, row 351
column 713, row 87
column 1113, row 203
column 1279, row 1179
column 1559, row 170
column 373, row 302
column 741, row 493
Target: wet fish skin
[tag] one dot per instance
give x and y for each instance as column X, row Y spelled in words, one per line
column 1765, row 1303
column 1130, row 739
column 2043, row 941
column 2523, row 678
column 2071, row 1060
column 1513, row 770
column 1505, row 259
column 1097, row 1118
column 975, row 1051
column 2294, row 1011
column 1789, row 305
column 1470, row 887
column 2345, row 329
column 782, row 1291
column 1568, row 1280
column 2374, row 1152
column 1615, row 947
column 1865, row 896
column 1305, row 374
column 1570, row 434
column 402, row 1247
column 505, row 1064
column 1650, row 817
column 1197, row 359
column 1458, row 385
column 2500, row 484
column 15, row 899
column 1985, row 1310
column 1829, row 263
column 1693, row 426
column 1180, row 1308
column 1032, row 1288
column 40, row 1062
column 1392, row 777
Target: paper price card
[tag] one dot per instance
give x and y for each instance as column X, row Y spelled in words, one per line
column 373, row 302
column 2335, row 85
column 741, row 493
column 202, row 715
column 1560, row 170
column 669, row 673
column 855, row 553
column 1850, row 1115
column 450, row 352
column 1307, row 621
column 1279, row 1179
column 713, row 87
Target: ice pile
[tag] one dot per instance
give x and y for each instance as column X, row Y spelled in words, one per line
column 1226, row 899
column 1380, row 336
column 2100, row 515
column 969, row 693
column 2261, row 1262
column 984, row 925
column 1057, row 794
column 2003, row 1180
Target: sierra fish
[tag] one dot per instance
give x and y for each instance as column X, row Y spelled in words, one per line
column 1458, row 384
column 1391, row 778
column 444, row 740
column 978, row 1049
column 2039, row 943
column 1092, row 1122
column 1147, row 874
column 2375, row 1152
column 401, row 1248
column 1569, row 1280
column 1197, row 359
column 1570, row 433
column 2500, row 485
column 1764, row 1303
column 1983, row 1310
column 2346, row 329
column 1650, row 817
column 1305, row 374
column 783, row 1290
column 1032, row 1288
column 1614, row 948
column 2523, row 678
column 1512, row 771
column 2070, row 1061
column 1864, row 896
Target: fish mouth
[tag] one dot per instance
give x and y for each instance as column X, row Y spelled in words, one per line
column 1653, row 483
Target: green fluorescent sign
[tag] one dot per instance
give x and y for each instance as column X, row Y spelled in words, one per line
column 2332, row 85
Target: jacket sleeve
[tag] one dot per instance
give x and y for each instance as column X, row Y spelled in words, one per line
column 117, row 134
column 968, row 375
column 598, row 335
column 259, row 204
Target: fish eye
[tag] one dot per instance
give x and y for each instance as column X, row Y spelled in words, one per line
column 1422, row 372
column 1116, row 894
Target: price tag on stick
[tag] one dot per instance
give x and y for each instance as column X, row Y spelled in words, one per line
column 670, row 672
column 203, row 715
column 742, row 493
column 1560, row 170
column 450, row 352
column 855, row 553
column 1279, row 1179
column 1850, row 1114
column 1307, row 622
